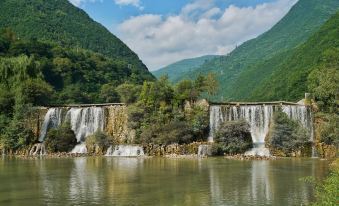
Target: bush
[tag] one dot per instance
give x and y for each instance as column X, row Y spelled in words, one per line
column 327, row 192
column 329, row 131
column 286, row 135
column 61, row 139
column 198, row 119
column 234, row 137
column 16, row 136
column 97, row 140
column 173, row 132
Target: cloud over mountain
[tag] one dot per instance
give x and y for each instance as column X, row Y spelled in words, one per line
column 200, row 28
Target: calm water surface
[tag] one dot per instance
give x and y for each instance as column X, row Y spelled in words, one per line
column 157, row 181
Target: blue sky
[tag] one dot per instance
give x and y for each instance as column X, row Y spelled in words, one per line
column 165, row 31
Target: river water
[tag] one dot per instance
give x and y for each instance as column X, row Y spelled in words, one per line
column 157, row 181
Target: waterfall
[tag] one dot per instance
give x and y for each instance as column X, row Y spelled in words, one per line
column 85, row 121
column 259, row 118
column 80, row 148
column 52, row 119
column 204, row 150
column 125, row 151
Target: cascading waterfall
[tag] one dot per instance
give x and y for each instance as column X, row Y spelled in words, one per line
column 84, row 122
column 125, row 151
column 52, row 119
column 259, row 118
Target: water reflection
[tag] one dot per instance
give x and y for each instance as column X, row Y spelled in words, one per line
column 157, row 181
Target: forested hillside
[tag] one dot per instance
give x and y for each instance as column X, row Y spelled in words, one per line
column 45, row 73
column 303, row 20
column 294, row 74
column 61, row 22
column 178, row 69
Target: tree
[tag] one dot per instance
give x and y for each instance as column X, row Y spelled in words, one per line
column 212, row 84
column 286, row 135
column 234, row 137
column 128, row 93
column 61, row 139
column 108, row 94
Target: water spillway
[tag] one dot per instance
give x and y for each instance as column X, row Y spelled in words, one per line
column 125, row 151
column 259, row 118
column 86, row 120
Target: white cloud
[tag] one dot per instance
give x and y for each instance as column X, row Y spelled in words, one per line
column 201, row 28
column 80, row 2
column 135, row 3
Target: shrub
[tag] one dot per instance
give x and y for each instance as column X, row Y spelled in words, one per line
column 61, row 139
column 16, row 135
column 286, row 135
column 98, row 139
column 327, row 192
column 173, row 132
column 329, row 131
column 234, row 137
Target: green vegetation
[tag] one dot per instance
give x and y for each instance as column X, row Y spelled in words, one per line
column 178, row 69
column 68, row 26
column 233, row 137
column 286, row 135
column 311, row 67
column 243, row 73
column 61, row 139
column 327, row 191
column 98, row 141
column 166, row 114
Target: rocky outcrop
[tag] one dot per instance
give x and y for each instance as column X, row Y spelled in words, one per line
column 326, row 151
column 116, row 124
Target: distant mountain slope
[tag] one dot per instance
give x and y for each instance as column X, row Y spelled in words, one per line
column 303, row 20
column 289, row 78
column 61, row 22
column 180, row 68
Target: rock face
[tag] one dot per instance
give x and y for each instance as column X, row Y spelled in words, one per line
column 323, row 150
column 116, row 124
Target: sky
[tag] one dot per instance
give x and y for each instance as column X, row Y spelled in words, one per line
column 162, row 32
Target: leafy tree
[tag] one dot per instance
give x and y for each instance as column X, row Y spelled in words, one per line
column 233, row 137
column 61, row 139
column 286, row 135
column 128, row 93
column 108, row 94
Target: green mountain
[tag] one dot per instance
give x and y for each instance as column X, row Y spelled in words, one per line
column 178, row 69
column 289, row 77
column 61, row 22
column 302, row 21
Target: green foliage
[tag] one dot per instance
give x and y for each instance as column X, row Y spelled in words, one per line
column 178, row 69
column 108, row 94
column 98, row 139
column 327, row 191
column 311, row 67
column 329, row 131
column 68, row 26
column 233, row 137
column 61, row 139
column 286, row 135
column 172, row 132
column 128, row 92
column 68, row 75
column 160, row 117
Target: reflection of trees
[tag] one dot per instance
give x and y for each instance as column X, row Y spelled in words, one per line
column 262, row 182
column 157, row 181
